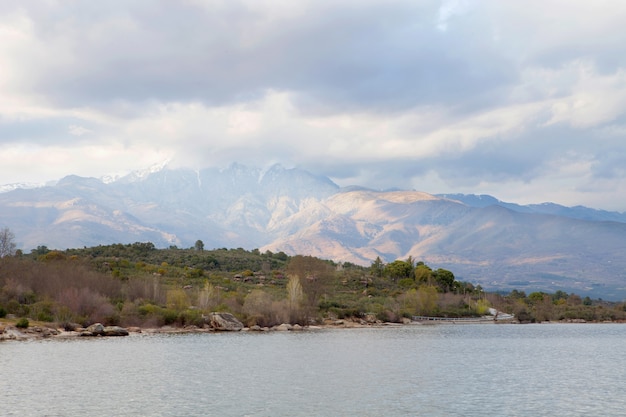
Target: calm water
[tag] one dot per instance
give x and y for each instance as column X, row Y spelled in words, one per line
column 446, row 370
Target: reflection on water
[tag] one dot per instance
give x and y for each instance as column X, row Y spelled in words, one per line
column 447, row 370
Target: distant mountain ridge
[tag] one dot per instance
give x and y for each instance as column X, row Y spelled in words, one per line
column 498, row 245
column 577, row 212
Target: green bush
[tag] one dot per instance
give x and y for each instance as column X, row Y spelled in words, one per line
column 22, row 323
column 13, row 307
column 42, row 311
column 327, row 305
column 164, row 316
column 45, row 316
column 191, row 318
column 148, row 310
column 345, row 312
column 406, row 283
column 3, row 312
column 168, row 316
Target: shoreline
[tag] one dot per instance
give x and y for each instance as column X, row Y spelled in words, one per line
column 42, row 331
column 39, row 331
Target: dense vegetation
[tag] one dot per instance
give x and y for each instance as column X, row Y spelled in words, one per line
column 139, row 285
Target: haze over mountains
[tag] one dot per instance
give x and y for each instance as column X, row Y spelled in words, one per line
column 498, row 245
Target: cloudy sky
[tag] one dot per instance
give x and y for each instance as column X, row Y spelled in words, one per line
column 524, row 100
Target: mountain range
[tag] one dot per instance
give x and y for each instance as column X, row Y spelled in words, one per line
column 499, row 245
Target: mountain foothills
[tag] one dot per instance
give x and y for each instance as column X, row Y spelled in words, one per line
column 499, row 245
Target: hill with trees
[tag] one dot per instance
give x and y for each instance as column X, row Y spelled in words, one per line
column 140, row 285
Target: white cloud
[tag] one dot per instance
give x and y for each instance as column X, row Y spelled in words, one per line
column 520, row 100
column 594, row 98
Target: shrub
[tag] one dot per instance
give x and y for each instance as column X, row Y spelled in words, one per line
column 191, row 317
column 258, row 306
column 406, row 283
column 168, row 316
column 113, row 319
column 3, row 313
column 42, row 311
column 22, row 323
column 45, row 316
column 86, row 303
column 14, row 307
column 327, row 305
column 255, row 321
column 62, row 315
column 148, row 309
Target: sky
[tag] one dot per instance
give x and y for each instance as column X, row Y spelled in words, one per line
column 522, row 100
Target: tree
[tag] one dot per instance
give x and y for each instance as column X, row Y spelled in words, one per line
column 398, row 270
column 281, row 256
column 536, row 297
column 199, row 246
column 377, row 267
column 7, row 242
column 258, row 307
column 544, row 308
column 517, row 295
column 295, row 296
column 40, row 250
column 315, row 276
column 411, row 262
column 427, row 298
column 423, row 273
column 574, row 300
column 177, row 299
column 206, row 297
column 444, row 279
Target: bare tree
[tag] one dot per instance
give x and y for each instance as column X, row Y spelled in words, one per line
column 7, row 242
column 295, row 297
column 315, row 277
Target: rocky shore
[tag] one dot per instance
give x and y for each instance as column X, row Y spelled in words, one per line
column 215, row 322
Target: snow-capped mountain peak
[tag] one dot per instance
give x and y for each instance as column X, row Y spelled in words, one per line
column 22, row 186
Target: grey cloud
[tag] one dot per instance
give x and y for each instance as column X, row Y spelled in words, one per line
column 531, row 156
column 352, row 56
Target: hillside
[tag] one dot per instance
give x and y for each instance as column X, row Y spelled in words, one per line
column 498, row 245
column 498, row 248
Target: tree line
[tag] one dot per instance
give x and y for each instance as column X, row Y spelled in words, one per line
column 140, row 285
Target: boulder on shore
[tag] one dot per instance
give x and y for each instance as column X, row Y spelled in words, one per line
column 224, row 322
column 370, row 318
column 97, row 329
column 115, row 331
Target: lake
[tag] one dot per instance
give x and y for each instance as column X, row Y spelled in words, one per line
column 414, row 370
